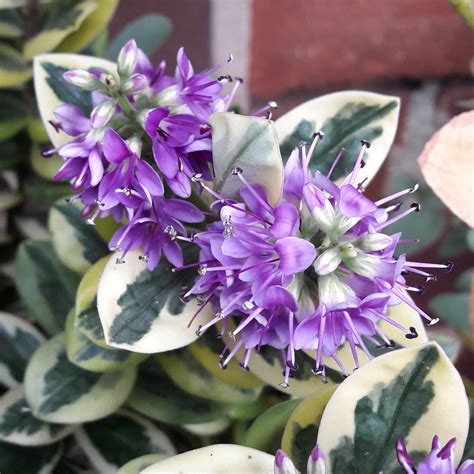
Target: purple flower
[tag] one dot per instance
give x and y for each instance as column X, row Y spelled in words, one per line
column 440, row 460
column 316, row 463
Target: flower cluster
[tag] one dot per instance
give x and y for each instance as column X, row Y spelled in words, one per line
column 313, row 272
column 439, row 460
column 147, row 135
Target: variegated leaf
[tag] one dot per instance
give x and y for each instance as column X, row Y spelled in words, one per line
column 84, row 353
column 346, row 118
column 113, row 441
column 52, row 90
column 249, row 143
column 411, row 393
column 189, row 375
column 215, row 459
column 135, row 466
column 157, row 396
column 302, row 426
column 18, row 341
column 60, row 392
column 57, row 21
column 14, row 70
column 19, row 426
column 77, row 244
column 142, row 311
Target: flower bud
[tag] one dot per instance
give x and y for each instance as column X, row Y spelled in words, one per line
column 83, row 79
column 316, row 462
column 283, row 464
column 134, row 84
column 374, row 242
column 127, row 59
column 102, row 113
column 328, row 261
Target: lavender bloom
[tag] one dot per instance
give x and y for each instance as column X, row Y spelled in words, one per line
column 313, row 272
column 316, row 463
column 146, row 136
column 440, row 460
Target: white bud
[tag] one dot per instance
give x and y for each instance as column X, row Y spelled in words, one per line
column 328, row 261
column 134, row 84
column 83, row 79
column 135, row 144
column 283, row 464
column 316, row 462
column 374, row 242
column 127, row 59
column 102, row 113
column 364, row 264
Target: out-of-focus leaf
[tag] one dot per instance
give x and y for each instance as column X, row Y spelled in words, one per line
column 452, row 179
column 14, row 70
column 135, row 466
column 19, row 426
column 113, row 441
column 452, row 308
column 13, row 155
column 11, row 23
column 93, row 25
column 47, row 288
column 13, row 115
column 466, row 9
column 448, row 339
column 149, row 31
column 28, row 460
column 18, row 340
column 57, row 20
column 455, row 242
column 463, row 283
column 35, row 129
column 46, row 168
column 45, row 192
column 60, row 392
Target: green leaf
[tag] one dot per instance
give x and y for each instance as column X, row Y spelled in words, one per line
column 28, row 460
column 92, row 26
column 13, row 115
column 46, row 286
column 60, row 392
column 157, row 396
column 19, row 426
column 14, row 70
column 77, row 244
column 248, row 143
column 149, row 31
column 52, row 90
column 135, row 466
column 46, row 168
column 466, row 10
column 469, row 448
column 190, row 376
column 302, row 426
column 452, row 308
column 113, row 441
column 45, row 192
column 18, row 340
column 266, row 431
column 13, row 155
column 57, row 20
column 141, row 310
column 346, row 118
column 411, row 393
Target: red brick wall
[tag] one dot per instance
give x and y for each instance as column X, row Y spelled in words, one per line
column 310, row 44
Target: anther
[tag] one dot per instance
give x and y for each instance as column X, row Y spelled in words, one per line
column 47, row 153
column 302, row 144
column 143, row 258
column 268, row 115
column 90, row 221
column 202, row 270
column 416, row 206
column 449, row 266
column 412, row 334
column 284, row 385
column 433, row 322
column 119, row 261
column 230, row 58
column 243, row 366
column 195, row 178
column 198, row 331
column 414, row 189
column 171, row 231
column 237, row 171
column 319, row 134
column 365, row 143
column 272, row 104
column 431, row 278
column 390, row 344
column 223, row 365
column 248, row 305
column 220, row 315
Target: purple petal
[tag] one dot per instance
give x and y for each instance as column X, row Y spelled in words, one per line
column 180, row 185
column 277, row 296
column 166, row 159
column 96, row 167
column 184, row 68
column 153, row 120
column 296, row 254
column 352, row 203
column 172, row 252
column 403, row 457
column 305, row 336
column 286, row 222
column 149, row 178
column 72, row 120
column 114, row 147
column 183, row 210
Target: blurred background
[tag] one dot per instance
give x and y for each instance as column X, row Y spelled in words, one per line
column 291, row 51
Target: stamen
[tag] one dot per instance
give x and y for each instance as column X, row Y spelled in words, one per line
column 415, row 207
column 231, row 354
column 336, row 161
column 201, row 307
column 359, row 165
column 447, row 267
column 171, row 231
column 317, row 136
column 397, row 195
column 239, row 173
